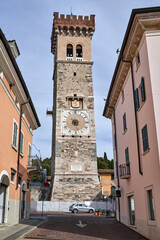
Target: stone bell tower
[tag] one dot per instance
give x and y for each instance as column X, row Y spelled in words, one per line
column 74, row 160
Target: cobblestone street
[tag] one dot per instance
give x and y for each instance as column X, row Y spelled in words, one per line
column 82, row 227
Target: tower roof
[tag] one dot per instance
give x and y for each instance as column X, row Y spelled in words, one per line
column 62, row 23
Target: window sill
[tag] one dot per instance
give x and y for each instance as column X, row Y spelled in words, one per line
column 15, row 148
column 141, row 106
column 144, row 153
column 152, row 222
column 124, row 131
column 132, row 226
column 21, row 154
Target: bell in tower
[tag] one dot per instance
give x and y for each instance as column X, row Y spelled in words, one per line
column 74, row 160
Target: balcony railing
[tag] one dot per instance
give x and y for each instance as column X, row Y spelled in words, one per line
column 125, row 171
column 34, row 165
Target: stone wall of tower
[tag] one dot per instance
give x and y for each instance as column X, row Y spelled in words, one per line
column 81, row 184
column 75, row 176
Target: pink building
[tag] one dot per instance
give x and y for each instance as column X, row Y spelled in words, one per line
column 133, row 107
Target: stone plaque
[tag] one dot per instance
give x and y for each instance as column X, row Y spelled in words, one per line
column 76, row 168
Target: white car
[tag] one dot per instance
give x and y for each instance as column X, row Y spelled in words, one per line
column 80, row 207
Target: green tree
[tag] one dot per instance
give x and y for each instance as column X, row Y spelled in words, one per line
column 104, row 162
column 46, row 164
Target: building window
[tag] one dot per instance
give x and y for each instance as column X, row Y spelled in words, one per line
column 123, row 96
column 145, row 139
column 136, row 98
column 127, row 155
column 131, row 210
column 74, row 74
column 28, row 184
column 69, row 50
column 150, row 203
column 21, row 142
column 19, row 179
column 140, row 95
column 112, row 176
column 15, row 134
column 13, row 174
column 29, row 154
column 138, row 61
column 124, row 122
column 79, row 51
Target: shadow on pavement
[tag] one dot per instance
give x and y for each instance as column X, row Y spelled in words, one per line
column 83, row 227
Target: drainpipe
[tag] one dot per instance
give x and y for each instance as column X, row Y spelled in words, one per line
column 19, row 139
column 135, row 114
column 115, row 132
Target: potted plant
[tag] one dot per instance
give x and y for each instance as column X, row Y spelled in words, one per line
column 95, row 213
column 99, row 212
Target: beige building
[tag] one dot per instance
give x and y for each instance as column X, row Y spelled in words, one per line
column 133, row 107
column 17, row 122
column 107, row 183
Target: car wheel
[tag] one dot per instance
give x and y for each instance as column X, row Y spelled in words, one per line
column 90, row 211
column 75, row 211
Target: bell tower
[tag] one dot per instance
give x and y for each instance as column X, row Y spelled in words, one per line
column 74, row 160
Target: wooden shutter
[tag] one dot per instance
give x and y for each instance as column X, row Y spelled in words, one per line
column 124, row 122
column 143, row 90
column 29, row 154
column 136, row 98
column 21, row 143
column 145, row 138
column 15, row 130
column 127, row 155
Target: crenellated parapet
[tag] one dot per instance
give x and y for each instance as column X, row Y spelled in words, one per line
column 77, row 26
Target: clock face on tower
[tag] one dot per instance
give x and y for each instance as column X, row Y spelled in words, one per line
column 75, row 122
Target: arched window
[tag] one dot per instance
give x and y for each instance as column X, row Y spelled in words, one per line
column 79, row 51
column 69, row 50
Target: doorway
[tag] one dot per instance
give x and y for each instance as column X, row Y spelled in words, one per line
column 2, row 202
column 23, row 203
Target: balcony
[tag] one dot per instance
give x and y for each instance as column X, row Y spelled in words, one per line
column 125, row 171
column 34, row 166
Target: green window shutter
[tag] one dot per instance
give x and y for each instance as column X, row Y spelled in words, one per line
column 136, row 97
column 21, row 143
column 29, row 154
column 143, row 90
column 127, row 155
column 124, row 122
column 145, row 138
column 15, row 131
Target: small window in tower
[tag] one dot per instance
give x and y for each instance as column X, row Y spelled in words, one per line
column 79, row 52
column 74, row 73
column 69, row 50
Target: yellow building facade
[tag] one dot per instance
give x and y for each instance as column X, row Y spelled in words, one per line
column 107, row 181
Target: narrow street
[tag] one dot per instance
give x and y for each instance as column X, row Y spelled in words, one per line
column 80, row 227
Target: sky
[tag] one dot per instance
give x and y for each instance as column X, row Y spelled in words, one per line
column 29, row 22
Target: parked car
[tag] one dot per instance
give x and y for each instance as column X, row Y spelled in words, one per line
column 74, row 208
